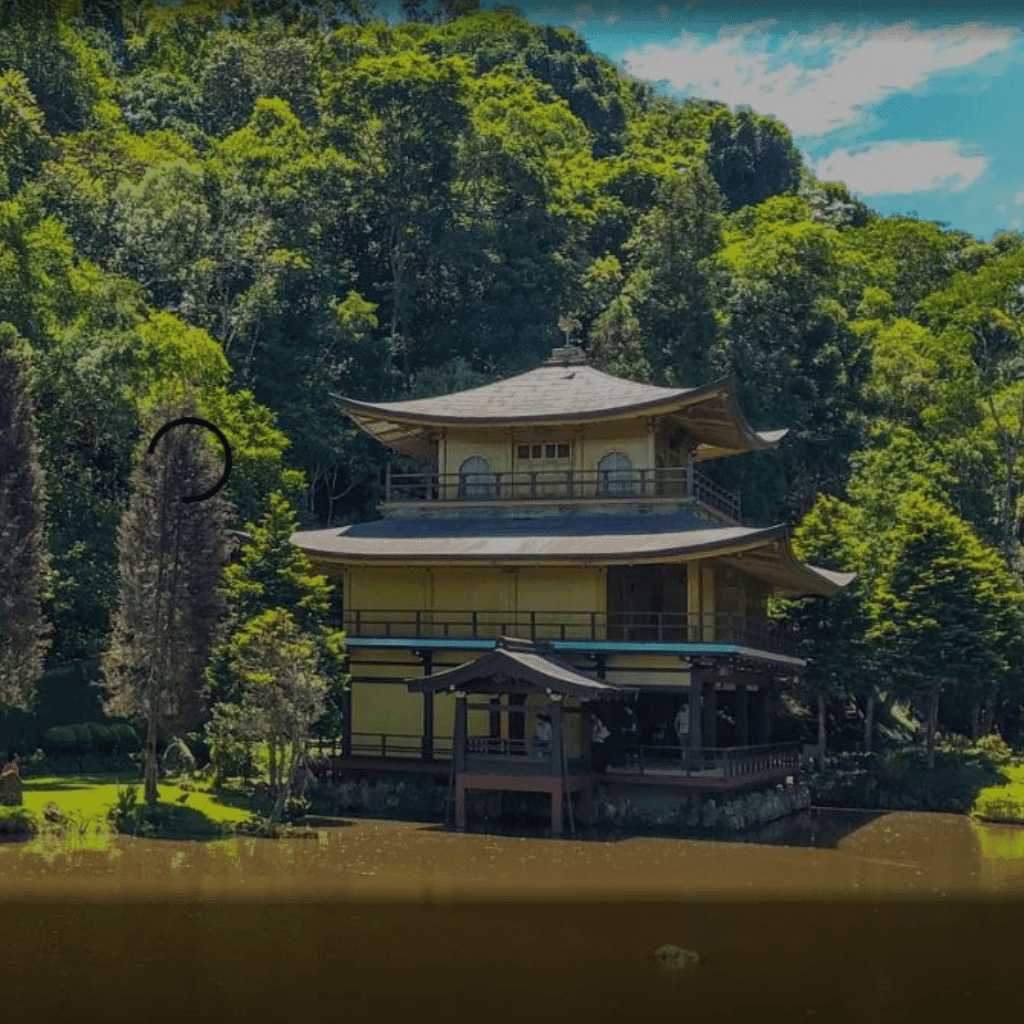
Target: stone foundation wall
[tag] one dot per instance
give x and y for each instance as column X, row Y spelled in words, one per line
column 422, row 798
column 417, row 798
column 660, row 808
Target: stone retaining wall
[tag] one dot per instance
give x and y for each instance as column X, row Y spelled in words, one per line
column 660, row 808
column 422, row 798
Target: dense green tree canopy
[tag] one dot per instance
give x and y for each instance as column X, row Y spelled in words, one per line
column 269, row 203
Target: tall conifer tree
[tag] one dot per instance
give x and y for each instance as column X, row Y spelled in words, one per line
column 23, row 555
column 170, row 556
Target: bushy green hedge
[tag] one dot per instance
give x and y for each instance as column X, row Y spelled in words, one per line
column 900, row 779
column 90, row 738
column 17, row 821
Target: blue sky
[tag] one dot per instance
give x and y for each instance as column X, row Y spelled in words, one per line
column 916, row 106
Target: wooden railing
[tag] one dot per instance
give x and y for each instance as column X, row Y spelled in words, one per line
column 568, row 484
column 380, row 744
column 704, row 762
column 638, row 759
column 643, row 627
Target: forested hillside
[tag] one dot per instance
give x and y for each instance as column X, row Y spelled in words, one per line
column 269, row 203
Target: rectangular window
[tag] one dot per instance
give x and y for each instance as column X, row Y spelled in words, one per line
column 547, row 452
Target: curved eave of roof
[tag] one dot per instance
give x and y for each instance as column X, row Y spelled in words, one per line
column 495, row 670
column 407, row 426
column 336, row 545
column 837, row 580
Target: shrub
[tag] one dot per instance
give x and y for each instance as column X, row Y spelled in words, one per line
column 17, row 821
column 59, row 740
column 297, row 806
column 83, row 738
column 125, row 738
column 100, row 739
column 994, row 749
column 258, row 825
column 1000, row 808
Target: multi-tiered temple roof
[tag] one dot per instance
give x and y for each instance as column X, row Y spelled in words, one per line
column 566, row 391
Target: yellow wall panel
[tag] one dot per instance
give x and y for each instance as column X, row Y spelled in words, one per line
column 386, row 708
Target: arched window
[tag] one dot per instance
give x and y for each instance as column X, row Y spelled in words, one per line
column 476, row 479
column 615, row 476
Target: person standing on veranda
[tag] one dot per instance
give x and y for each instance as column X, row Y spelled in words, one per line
column 682, row 727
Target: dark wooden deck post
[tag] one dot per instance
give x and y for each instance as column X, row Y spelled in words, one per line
column 459, row 762
column 346, row 716
column 557, row 766
column 427, row 741
column 459, row 740
column 764, row 713
column 742, row 716
column 557, row 738
column 696, row 707
column 710, row 724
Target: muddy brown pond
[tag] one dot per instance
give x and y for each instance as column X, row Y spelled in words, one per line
column 832, row 916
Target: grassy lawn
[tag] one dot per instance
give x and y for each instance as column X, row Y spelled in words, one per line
column 1005, row 802
column 91, row 796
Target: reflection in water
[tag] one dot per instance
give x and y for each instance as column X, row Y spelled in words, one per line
column 833, row 916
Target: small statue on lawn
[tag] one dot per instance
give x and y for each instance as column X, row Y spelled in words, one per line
column 10, row 781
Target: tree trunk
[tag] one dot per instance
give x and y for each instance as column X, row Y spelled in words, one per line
column 976, row 720
column 821, row 731
column 150, row 790
column 869, row 720
column 932, row 722
column 272, row 744
column 988, row 711
column 285, row 790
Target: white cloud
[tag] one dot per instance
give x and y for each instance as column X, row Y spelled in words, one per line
column 897, row 168
column 1018, row 198
column 819, row 81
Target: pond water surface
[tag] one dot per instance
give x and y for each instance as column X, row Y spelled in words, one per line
column 833, row 916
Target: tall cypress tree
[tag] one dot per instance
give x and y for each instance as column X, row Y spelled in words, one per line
column 23, row 555
column 170, row 557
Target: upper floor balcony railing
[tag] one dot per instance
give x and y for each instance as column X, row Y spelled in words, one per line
column 562, row 485
column 641, row 627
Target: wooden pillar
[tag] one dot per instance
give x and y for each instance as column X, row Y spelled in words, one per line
column 459, row 740
column 764, row 712
column 460, row 806
column 742, row 715
column 346, row 717
column 556, row 807
column 710, row 723
column 696, row 707
column 557, row 739
column 517, row 722
column 427, row 741
column 495, row 717
column 459, row 762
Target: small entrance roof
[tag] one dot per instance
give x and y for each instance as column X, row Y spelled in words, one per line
column 519, row 666
column 566, row 390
